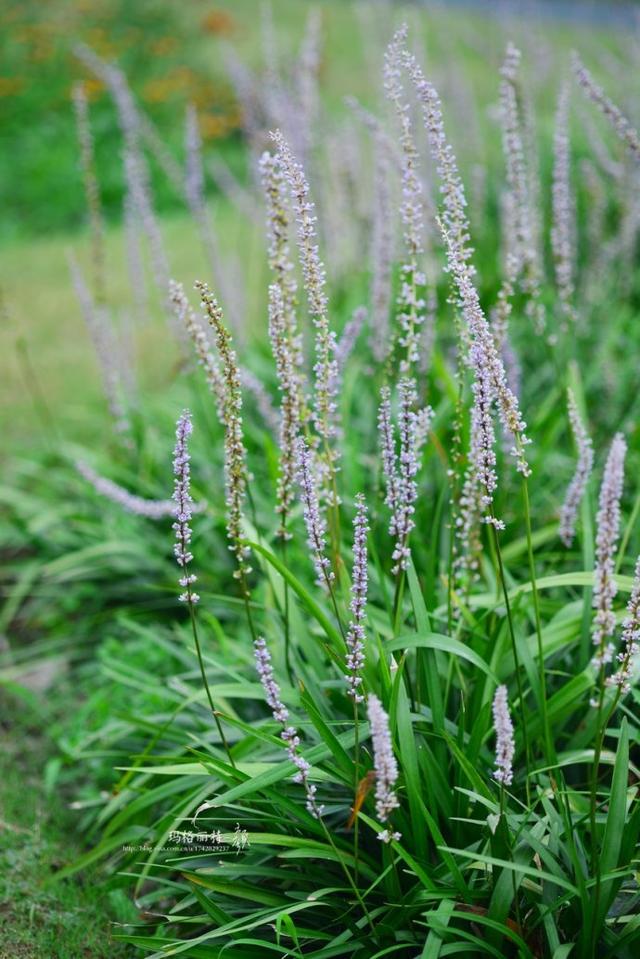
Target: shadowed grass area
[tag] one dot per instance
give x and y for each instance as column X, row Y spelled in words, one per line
column 72, row 919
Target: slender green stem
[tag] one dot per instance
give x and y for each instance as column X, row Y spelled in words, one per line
column 397, row 601
column 455, row 494
column 203, row 673
column 287, row 628
column 348, row 876
column 356, row 776
column 509, row 838
column 595, row 857
column 601, row 728
column 631, row 525
column 550, row 753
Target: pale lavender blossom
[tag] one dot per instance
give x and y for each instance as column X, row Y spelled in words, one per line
column 138, row 188
column 134, row 260
column 413, row 281
column 115, row 80
column 381, row 250
column 135, row 124
column 195, row 195
column 359, row 585
column 400, row 467
column 454, row 226
column 245, row 87
column 454, row 212
column 306, row 84
column 615, row 117
column 150, row 508
column 269, row 684
column 584, row 466
column 198, row 336
column 183, row 506
column 630, row 639
column 606, row 162
column 91, row 187
column 315, row 285
column 453, row 219
column 562, row 229
column 403, row 523
column 256, row 387
column 482, row 454
column 274, row 186
column 608, row 531
column 485, row 360
column 521, row 219
column 387, row 441
column 424, row 419
column 384, row 764
column 505, row 745
column 291, row 414
column 349, row 338
column 235, row 456
column 289, row 734
column 501, row 313
column 111, row 359
column 468, row 544
column 313, row 518
column 230, row 187
column 194, row 186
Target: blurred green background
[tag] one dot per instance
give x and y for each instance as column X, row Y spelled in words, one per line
column 174, row 54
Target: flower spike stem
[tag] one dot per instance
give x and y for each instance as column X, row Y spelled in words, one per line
column 214, row 711
column 549, row 749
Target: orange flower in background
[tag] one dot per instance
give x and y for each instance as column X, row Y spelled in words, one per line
column 100, row 41
column 93, row 88
column 205, row 92
column 158, row 90
column 9, row 86
column 163, row 46
column 40, row 51
column 218, row 22
column 215, row 127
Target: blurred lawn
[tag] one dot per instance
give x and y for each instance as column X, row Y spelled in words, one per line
column 41, row 310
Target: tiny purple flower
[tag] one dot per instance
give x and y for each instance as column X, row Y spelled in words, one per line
column 385, row 765
column 183, row 509
column 505, row 746
column 289, row 734
column 359, row 584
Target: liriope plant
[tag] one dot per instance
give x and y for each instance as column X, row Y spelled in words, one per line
column 360, row 751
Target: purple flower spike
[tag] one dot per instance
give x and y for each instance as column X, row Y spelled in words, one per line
column 183, row 509
column 289, row 734
column 385, row 765
column 359, row 585
column 505, row 746
column 608, row 526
